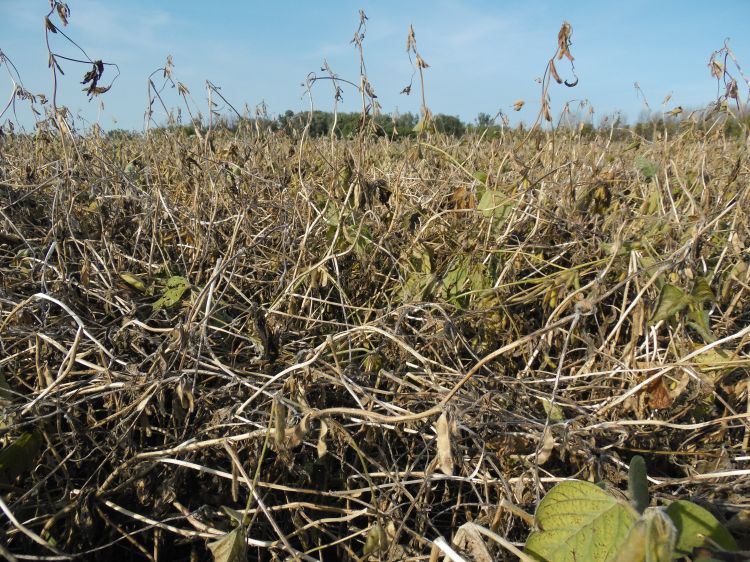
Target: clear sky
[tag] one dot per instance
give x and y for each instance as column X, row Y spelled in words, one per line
column 483, row 55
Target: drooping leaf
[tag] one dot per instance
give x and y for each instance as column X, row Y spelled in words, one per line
column 671, row 301
column 174, row 290
column 229, row 548
column 693, row 523
column 19, row 457
column 235, row 515
column 376, row 540
column 638, row 484
column 579, row 521
column 699, row 320
column 702, row 291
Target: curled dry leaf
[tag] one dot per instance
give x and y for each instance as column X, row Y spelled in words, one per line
column 421, row 63
column 279, row 421
column 553, row 71
column 676, row 111
column 548, row 445
column 717, row 69
column 50, row 26
column 545, row 111
column 731, row 91
column 469, row 540
column 563, row 41
column 63, row 11
column 322, row 447
column 659, row 397
column 444, row 445
column 411, row 41
column 518, row 104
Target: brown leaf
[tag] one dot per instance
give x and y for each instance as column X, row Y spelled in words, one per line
column 553, row 71
column 411, row 41
column 64, row 12
column 658, row 395
column 50, row 26
column 545, row 111
column 717, row 69
column 279, row 421
column 518, row 104
column 731, row 91
column 444, row 445
column 421, row 63
column 563, row 41
column 469, row 540
column 548, row 445
column 321, row 447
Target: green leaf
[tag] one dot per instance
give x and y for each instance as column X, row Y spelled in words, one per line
column 481, row 177
column 376, row 540
column 671, row 301
column 19, row 457
column 698, row 319
column 173, row 292
column 716, row 362
column 495, row 204
column 134, row 281
column 229, row 548
column 646, row 167
column 693, row 523
column 579, row 521
column 454, row 280
column 702, row 291
column 554, row 411
column 638, row 484
column 236, row 516
column 651, row 539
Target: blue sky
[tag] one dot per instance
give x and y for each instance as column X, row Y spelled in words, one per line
column 483, row 55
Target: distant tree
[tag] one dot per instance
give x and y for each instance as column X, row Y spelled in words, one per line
column 449, row 124
column 484, row 120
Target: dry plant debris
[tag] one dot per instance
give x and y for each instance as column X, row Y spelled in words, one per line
column 356, row 348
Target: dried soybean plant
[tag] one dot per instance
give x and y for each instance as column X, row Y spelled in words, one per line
column 222, row 350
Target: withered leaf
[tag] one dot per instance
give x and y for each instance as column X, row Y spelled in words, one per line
column 50, row 26
column 444, row 445
column 518, row 104
column 63, row 11
column 548, row 445
column 553, row 71
column 658, row 395
column 421, row 63
column 411, row 41
column 717, row 69
column 545, row 111
column 321, row 447
column 563, row 41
